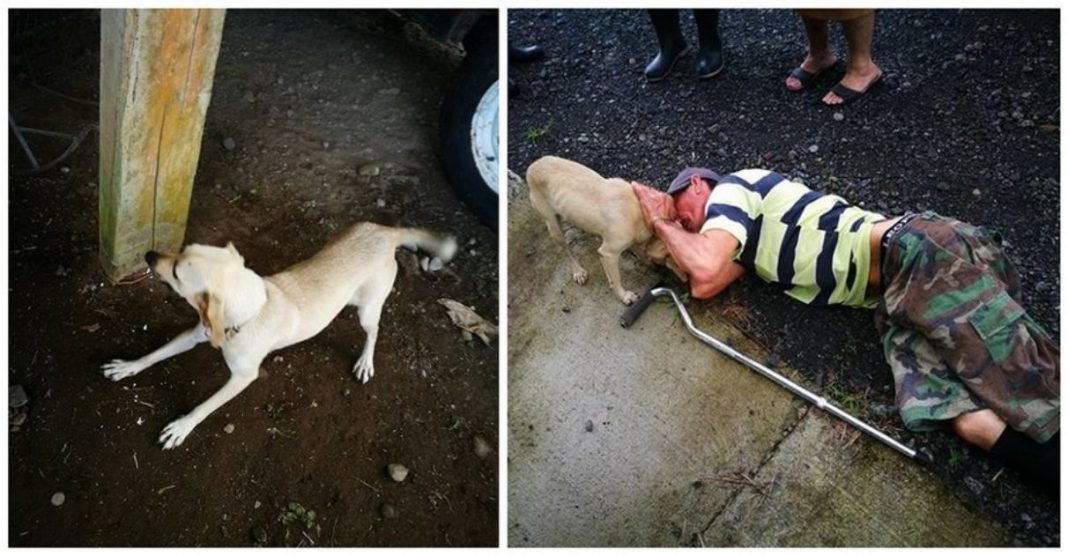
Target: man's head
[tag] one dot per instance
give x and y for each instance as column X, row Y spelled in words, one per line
column 691, row 189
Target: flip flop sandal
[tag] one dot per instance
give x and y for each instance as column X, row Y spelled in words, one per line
column 848, row 95
column 807, row 78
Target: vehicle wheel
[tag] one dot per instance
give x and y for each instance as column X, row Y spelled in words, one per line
column 469, row 130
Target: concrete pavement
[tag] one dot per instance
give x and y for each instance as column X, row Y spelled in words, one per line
column 686, row 447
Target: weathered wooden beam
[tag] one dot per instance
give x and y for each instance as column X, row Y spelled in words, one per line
column 156, row 70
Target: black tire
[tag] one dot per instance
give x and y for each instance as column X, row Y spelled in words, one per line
column 475, row 76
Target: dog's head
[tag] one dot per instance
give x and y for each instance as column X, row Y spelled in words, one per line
column 213, row 280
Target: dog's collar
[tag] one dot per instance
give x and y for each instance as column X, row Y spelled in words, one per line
column 232, row 331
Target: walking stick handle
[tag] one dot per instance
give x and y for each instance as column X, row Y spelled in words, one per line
column 637, row 308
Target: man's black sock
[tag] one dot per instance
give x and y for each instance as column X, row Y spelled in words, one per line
column 1038, row 463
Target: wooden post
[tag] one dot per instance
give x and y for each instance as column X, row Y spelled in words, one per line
column 156, row 70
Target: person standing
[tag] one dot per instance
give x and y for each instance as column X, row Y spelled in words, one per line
column 709, row 60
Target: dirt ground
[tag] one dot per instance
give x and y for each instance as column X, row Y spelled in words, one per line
column 307, row 98
column 941, row 133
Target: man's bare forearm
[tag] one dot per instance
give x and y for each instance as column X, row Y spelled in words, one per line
column 707, row 260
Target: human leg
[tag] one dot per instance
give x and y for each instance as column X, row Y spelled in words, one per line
column 861, row 71
column 709, row 60
column 669, row 38
column 819, row 56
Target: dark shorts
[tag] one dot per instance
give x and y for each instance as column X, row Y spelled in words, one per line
column 955, row 334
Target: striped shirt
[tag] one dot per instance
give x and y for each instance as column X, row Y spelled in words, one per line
column 817, row 247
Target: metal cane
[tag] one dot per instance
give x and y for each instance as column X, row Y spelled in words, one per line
column 639, row 306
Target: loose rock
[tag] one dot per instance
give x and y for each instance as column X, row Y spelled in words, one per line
column 589, row 425
column 388, row 511
column 229, row 143
column 229, row 428
column 259, row 534
column 397, row 472
column 16, row 396
column 58, row 499
column 369, row 170
column 482, row 448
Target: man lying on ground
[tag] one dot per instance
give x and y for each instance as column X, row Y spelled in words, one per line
column 961, row 347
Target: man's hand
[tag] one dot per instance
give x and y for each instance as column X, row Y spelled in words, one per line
column 655, row 204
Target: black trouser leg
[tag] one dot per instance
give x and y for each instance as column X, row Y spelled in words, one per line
column 672, row 45
column 709, row 60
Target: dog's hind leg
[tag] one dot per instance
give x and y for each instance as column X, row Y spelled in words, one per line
column 552, row 222
column 610, row 252
column 119, row 369
column 369, row 301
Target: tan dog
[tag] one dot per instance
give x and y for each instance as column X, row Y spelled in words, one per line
column 606, row 208
column 249, row 316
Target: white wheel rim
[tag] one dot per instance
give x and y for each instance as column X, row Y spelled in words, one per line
column 484, row 130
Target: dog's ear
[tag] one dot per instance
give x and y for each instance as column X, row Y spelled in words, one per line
column 210, row 308
column 230, row 247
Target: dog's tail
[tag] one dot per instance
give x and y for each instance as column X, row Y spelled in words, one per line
column 437, row 245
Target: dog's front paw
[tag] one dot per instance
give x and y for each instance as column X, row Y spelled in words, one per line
column 118, row 369
column 581, row 277
column 364, row 369
column 629, row 298
column 174, row 434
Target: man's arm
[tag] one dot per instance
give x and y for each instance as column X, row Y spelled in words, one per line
column 705, row 257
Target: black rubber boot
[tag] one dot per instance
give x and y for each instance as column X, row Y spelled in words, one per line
column 525, row 54
column 709, row 60
column 672, row 45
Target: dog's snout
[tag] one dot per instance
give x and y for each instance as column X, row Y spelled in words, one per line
column 151, row 257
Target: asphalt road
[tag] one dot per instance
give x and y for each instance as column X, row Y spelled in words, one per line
column 966, row 123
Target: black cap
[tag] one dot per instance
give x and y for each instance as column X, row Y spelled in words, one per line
column 682, row 181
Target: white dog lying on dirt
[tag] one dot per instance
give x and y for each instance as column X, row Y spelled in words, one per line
column 249, row 316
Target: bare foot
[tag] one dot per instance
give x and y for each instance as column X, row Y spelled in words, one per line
column 856, row 79
column 814, row 65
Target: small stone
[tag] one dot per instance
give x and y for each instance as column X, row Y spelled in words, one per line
column 64, row 169
column 482, row 448
column 19, row 419
column 976, row 192
column 814, row 149
column 229, row 143
column 774, row 360
column 424, row 263
column 589, row 425
column 883, row 410
column 229, row 428
column 250, row 96
column 466, row 336
column 16, row 396
column 838, row 116
column 1041, row 286
column 326, row 145
column 388, row 511
column 58, row 499
column 277, row 359
column 257, row 505
column 942, row 186
column 259, row 534
column 380, row 203
column 369, row 170
column 435, row 264
column 397, row 472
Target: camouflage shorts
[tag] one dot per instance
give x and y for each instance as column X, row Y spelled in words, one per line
column 955, row 335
